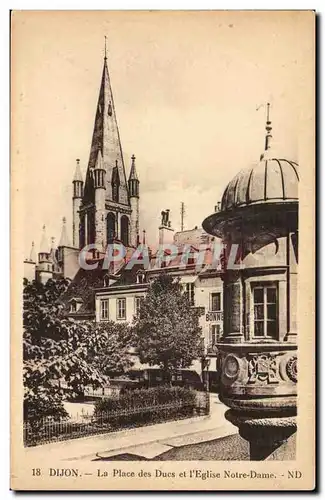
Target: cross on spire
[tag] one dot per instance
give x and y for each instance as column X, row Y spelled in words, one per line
column 105, row 47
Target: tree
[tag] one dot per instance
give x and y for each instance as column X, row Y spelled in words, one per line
column 167, row 329
column 109, row 346
column 57, row 348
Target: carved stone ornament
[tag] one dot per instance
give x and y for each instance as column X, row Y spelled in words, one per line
column 291, row 369
column 262, row 368
column 231, row 367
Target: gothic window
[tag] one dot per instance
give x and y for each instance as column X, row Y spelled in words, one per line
column 115, row 192
column 82, row 232
column 115, row 184
column 265, row 302
column 110, row 227
column 91, row 227
column 125, row 230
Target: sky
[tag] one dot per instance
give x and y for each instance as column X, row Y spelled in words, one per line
column 190, row 92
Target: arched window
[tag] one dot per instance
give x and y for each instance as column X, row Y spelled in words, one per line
column 82, row 231
column 115, row 184
column 91, row 227
column 110, row 227
column 125, row 230
column 115, row 192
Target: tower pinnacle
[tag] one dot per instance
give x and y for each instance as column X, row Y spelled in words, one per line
column 64, row 240
column 32, row 256
column 77, row 175
column 44, row 247
column 133, row 172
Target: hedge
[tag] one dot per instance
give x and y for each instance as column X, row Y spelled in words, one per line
column 143, row 406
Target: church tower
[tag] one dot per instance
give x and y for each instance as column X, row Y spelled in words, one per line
column 134, row 202
column 105, row 206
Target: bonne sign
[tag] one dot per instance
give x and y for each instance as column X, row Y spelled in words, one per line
column 214, row 316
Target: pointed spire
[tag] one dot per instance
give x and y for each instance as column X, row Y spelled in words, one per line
column 44, row 247
column 32, row 256
column 77, row 175
column 53, row 250
column 99, row 160
column 64, row 240
column 144, row 237
column 133, row 171
column 106, row 138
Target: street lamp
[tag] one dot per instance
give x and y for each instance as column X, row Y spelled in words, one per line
column 205, row 364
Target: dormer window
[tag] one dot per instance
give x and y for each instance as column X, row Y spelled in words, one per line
column 75, row 305
column 140, row 277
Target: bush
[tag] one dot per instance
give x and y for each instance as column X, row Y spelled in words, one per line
column 143, row 406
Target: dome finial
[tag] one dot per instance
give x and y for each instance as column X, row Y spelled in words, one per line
column 268, row 128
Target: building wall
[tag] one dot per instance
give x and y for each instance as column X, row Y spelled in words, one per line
column 70, row 262
column 193, row 237
column 129, row 294
column 210, row 321
column 203, row 289
column 134, row 222
column 76, row 202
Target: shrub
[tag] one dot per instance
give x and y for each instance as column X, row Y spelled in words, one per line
column 141, row 406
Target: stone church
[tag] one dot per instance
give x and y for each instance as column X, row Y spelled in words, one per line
column 105, row 204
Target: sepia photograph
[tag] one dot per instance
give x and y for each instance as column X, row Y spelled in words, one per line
column 162, row 168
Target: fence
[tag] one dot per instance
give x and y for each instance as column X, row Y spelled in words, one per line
column 47, row 430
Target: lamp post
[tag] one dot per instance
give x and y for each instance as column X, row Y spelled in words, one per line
column 205, row 364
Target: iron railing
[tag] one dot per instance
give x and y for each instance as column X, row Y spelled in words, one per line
column 47, row 430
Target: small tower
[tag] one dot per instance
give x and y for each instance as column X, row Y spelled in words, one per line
column 67, row 263
column 134, row 195
column 99, row 186
column 64, row 240
column 30, row 264
column 43, row 254
column 76, row 202
column 44, row 269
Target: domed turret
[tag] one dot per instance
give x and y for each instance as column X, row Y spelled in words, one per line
column 267, row 192
column 270, row 181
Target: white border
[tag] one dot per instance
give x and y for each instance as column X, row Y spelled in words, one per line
column 317, row 5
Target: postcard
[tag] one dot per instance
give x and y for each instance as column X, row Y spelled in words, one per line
column 162, row 242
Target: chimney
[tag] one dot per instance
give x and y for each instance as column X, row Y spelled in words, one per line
column 166, row 232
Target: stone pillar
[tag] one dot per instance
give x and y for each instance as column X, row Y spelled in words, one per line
column 258, row 384
column 100, row 220
column 166, row 235
column 134, row 220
